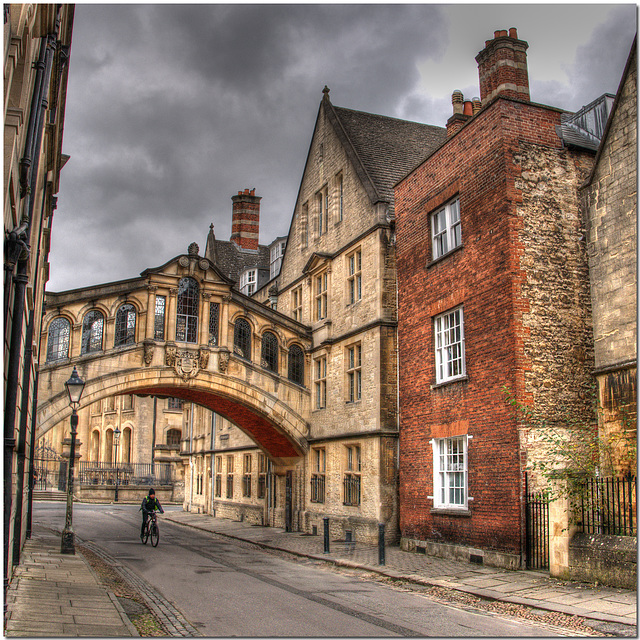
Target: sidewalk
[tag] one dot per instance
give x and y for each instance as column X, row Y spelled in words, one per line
column 52, row 594
column 530, row 588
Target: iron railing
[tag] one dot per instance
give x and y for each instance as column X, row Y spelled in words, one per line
column 317, row 488
column 101, row 473
column 351, row 490
column 537, row 530
column 608, row 506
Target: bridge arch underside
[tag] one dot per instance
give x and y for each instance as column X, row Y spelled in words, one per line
column 277, row 429
column 265, row 433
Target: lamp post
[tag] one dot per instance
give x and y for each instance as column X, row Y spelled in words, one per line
column 116, row 440
column 75, row 387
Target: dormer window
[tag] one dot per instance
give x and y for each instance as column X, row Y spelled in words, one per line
column 248, row 282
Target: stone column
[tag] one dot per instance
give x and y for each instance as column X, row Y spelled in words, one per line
column 203, row 319
column 561, row 530
column 170, row 318
column 151, row 312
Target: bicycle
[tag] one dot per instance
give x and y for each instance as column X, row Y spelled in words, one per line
column 151, row 530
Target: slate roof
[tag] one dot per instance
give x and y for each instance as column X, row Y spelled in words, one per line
column 231, row 260
column 387, row 149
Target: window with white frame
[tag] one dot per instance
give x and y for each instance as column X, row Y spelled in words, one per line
column 354, row 280
column 354, row 373
column 450, row 472
column 248, row 281
column 321, row 382
column 275, row 259
column 445, row 229
column 296, row 303
column 321, row 282
column 449, row 343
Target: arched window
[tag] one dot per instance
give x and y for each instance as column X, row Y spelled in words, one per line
column 187, row 313
column 270, row 352
column 125, row 445
column 242, row 339
column 296, row 364
column 58, row 343
column 95, row 446
column 92, row 329
column 108, row 446
column 125, row 325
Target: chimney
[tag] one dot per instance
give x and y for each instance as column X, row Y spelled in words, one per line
column 245, row 225
column 502, row 66
column 461, row 113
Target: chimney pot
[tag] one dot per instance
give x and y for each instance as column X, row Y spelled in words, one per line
column 468, row 108
column 503, row 33
column 513, row 33
column 496, row 34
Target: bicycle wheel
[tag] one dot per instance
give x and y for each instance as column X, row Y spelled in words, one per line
column 145, row 535
column 155, row 534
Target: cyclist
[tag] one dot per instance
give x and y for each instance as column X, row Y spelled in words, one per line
column 149, row 504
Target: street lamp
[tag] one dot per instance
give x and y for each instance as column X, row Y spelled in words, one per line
column 75, row 387
column 116, row 440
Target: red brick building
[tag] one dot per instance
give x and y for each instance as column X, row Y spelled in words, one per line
column 493, row 292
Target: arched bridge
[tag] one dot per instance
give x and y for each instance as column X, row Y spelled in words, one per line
column 181, row 330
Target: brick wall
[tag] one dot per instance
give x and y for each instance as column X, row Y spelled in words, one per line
column 521, row 255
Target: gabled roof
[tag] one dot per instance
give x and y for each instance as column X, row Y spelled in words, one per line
column 382, row 149
column 315, row 259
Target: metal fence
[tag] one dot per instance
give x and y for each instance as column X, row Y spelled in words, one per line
column 101, row 473
column 537, row 530
column 608, row 506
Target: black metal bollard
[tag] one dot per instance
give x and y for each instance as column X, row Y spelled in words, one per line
column 326, row 534
column 381, row 558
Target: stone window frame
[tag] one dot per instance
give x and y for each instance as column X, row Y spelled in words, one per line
column 229, row 491
column 340, row 189
column 353, row 372
column 354, row 276
column 320, row 381
column 187, row 310
column 59, row 339
column 160, row 309
column 321, row 295
column 322, row 209
column 446, row 224
column 352, row 480
column 246, row 477
column 449, row 346
column 270, row 352
column 296, row 303
column 125, row 329
column 92, row 338
column 242, row 338
column 295, row 364
column 318, row 475
column 451, row 472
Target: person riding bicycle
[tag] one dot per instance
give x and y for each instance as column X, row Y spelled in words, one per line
column 149, row 504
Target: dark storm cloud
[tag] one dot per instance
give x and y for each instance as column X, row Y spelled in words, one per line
column 174, row 108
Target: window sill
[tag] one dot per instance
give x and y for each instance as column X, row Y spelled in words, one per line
column 353, row 402
column 444, row 511
column 444, row 256
column 439, row 385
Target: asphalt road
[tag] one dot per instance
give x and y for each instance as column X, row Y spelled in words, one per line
column 227, row 588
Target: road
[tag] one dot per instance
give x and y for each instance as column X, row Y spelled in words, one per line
column 227, row 588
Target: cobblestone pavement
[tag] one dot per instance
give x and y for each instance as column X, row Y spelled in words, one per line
column 529, row 588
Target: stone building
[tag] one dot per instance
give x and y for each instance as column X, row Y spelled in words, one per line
column 611, row 200
column 338, row 277
column 493, row 291
column 37, row 40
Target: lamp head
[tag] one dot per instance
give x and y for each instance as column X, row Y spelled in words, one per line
column 75, row 387
column 116, row 434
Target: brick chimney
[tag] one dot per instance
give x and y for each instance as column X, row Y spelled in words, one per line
column 502, row 66
column 245, row 224
column 462, row 111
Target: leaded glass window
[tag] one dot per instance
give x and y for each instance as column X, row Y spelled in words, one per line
column 242, row 339
column 187, row 313
column 58, row 341
column 158, row 326
column 125, row 325
column 214, row 321
column 270, row 352
column 92, row 330
column 296, row 364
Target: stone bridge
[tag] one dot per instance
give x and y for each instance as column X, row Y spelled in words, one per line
column 181, row 330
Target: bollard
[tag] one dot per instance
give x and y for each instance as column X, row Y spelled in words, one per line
column 326, row 534
column 381, row 558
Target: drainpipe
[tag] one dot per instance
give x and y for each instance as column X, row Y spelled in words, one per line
column 153, row 432
column 213, row 457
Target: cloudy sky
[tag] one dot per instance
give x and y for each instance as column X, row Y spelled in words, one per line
column 172, row 109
